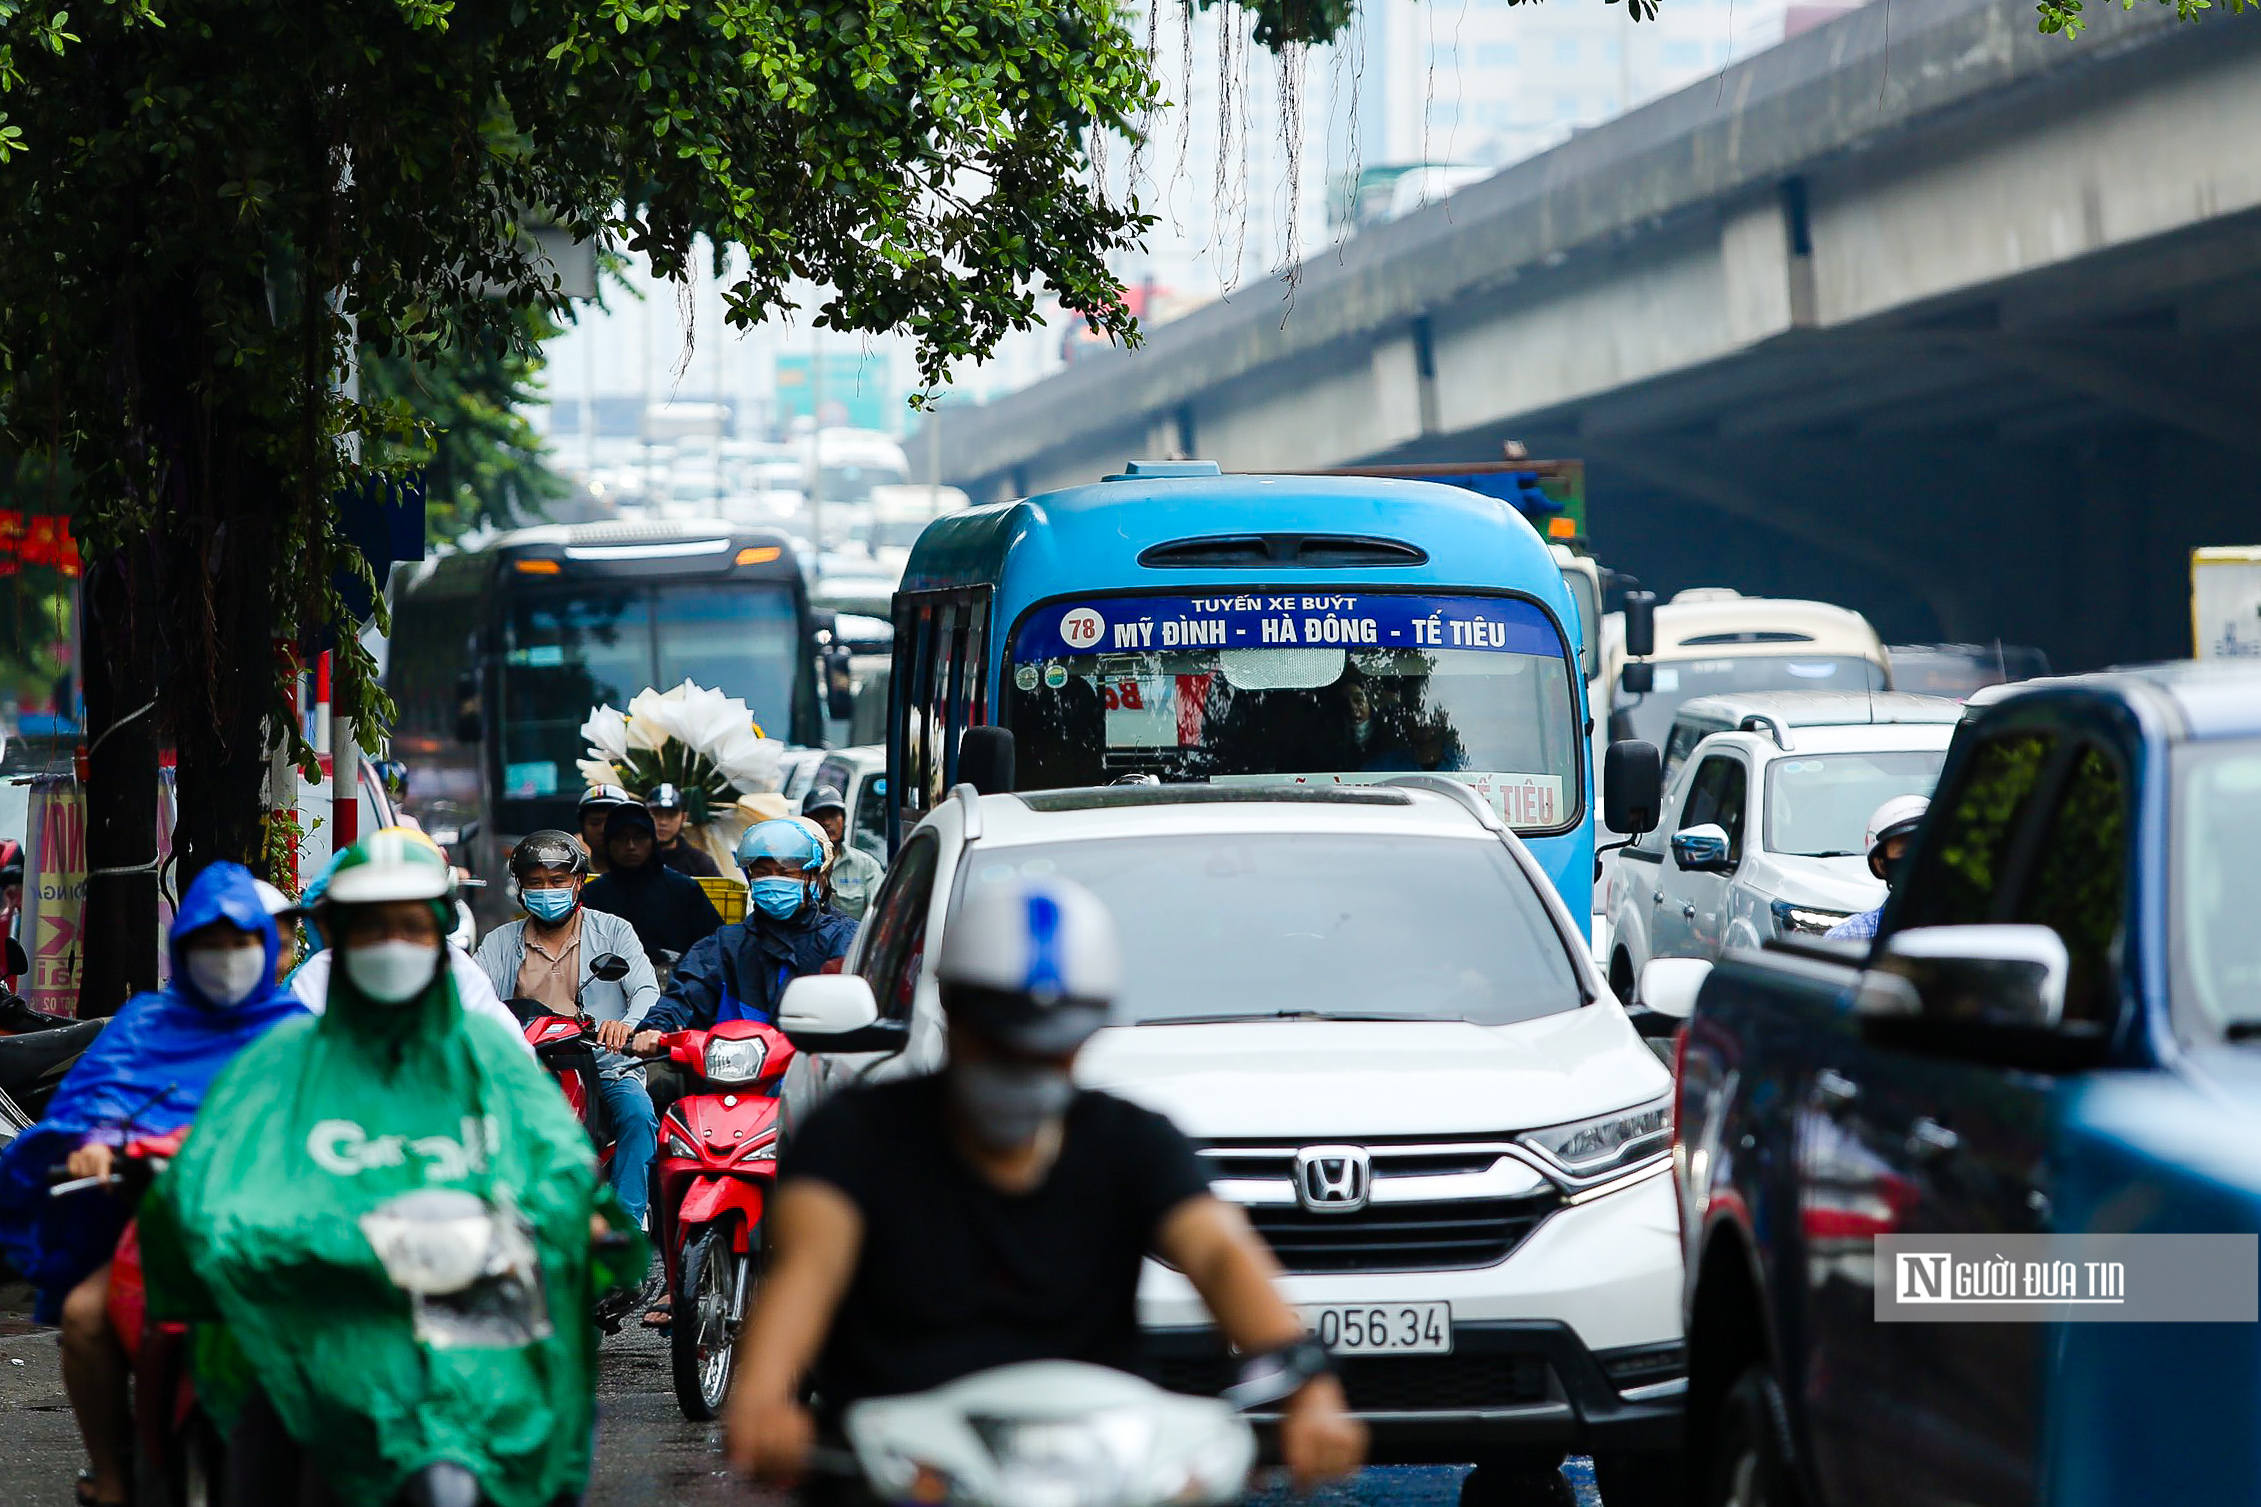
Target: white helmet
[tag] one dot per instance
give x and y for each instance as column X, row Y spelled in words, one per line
column 1897, row 817
column 1032, row 964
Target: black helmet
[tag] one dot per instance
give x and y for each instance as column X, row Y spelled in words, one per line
column 664, row 797
column 824, row 798
column 548, row 849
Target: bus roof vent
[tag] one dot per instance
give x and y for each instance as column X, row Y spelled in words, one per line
column 1308, row 551
column 1151, row 470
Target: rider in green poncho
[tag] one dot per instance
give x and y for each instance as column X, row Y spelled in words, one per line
column 391, row 1209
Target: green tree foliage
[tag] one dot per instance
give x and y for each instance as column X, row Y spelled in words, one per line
column 459, row 417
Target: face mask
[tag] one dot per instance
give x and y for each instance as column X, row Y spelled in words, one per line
column 549, row 905
column 779, row 899
column 226, row 975
column 1362, row 727
column 1007, row 1105
column 392, row 973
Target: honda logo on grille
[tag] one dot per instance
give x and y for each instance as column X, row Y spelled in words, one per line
column 1333, row 1179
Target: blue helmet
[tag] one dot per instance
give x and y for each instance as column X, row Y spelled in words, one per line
column 781, row 838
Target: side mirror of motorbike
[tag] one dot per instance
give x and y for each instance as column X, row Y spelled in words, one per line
column 611, row 967
column 835, row 1012
column 18, row 963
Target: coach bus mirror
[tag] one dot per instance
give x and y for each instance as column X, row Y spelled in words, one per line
column 1632, row 786
column 839, row 684
column 1640, row 624
column 467, row 725
column 612, row 968
column 1638, row 678
column 986, row 759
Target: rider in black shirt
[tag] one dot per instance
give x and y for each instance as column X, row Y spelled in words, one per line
column 993, row 1212
column 670, row 912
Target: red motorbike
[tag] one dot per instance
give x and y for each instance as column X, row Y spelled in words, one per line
column 174, row 1441
column 716, row 1167
column 567, row 1046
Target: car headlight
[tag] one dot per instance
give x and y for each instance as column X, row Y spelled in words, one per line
column 1804, row 920
column 735, row 1061
column 1589, row 1149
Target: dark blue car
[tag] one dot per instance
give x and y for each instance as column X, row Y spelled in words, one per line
column 2057, row 1029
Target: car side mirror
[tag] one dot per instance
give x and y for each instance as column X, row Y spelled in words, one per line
column 835, row 1012
column 986, row 758
column 1992, row 992
column 611, row 967
column 1702, row 849
column 1637, row 678
column 1668, row 986
column 1632, row 787
column 1640, row 626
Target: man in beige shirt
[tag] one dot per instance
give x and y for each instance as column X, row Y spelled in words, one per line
column 551, row 972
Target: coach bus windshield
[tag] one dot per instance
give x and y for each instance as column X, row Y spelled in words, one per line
column 571, row 648
column 1343, row 688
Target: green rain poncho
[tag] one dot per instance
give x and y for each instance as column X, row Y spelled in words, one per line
column 301, row 1158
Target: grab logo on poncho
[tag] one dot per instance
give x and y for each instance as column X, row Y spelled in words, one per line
column 344, row 1148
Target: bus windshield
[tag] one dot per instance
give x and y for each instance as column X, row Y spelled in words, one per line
column 1349, row 687
column 1680, row 681
column 568, row 649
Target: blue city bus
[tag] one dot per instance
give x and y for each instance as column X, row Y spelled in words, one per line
column 1176, row 624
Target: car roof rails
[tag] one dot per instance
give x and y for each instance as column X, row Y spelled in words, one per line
column 1775, row 726
column 969, row 805
column 1466, row 795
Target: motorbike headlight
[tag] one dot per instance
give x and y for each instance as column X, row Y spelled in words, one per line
column 735, row 1061
column 672, row 1144
column 1066, row 1462
column 765, row 1152
column 1804, row 920
column 1586, row 1150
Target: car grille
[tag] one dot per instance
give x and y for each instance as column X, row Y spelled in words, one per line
column 1432, row 1207
column 1399, row 1237
column 1392, row 1383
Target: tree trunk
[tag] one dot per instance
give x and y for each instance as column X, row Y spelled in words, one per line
column 118, row 929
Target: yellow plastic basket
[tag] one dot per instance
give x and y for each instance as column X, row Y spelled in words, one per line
column 728, row 895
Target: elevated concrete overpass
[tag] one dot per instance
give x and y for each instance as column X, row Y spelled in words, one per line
column 1922, row 311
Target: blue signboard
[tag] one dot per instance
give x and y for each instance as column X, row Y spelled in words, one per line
column 1285, row 620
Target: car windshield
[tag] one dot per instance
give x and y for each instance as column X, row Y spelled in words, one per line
column 569, row 650
column 2217, row 832
column 1818, row 805
column 1341, row 689
column 1679, row 681
column 1297, row 925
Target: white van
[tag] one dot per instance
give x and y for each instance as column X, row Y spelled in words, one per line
column 1713, row 641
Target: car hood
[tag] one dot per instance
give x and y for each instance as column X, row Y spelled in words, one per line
column 1300, row 1079
column 1843, row 884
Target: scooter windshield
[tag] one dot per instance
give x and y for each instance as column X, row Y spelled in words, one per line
column 469, row 1269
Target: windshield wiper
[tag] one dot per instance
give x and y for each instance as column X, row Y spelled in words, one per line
column 1242, row 1015
column 1831, row 853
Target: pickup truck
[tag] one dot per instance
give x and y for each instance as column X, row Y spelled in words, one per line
column 2057, row 1029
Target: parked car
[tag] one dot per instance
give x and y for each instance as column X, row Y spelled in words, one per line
column 860, row 775
column 2054, row 1032
column 1767, row 803
column 1379, row 1022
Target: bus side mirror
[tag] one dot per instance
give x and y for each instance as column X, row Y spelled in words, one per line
column 468, row 728
column 1640, row 624
column 1638, row 677
column 839, row 684
column 986, row 758
column 1632, row 787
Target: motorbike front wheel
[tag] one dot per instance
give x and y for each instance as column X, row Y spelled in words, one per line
column 713, row 1286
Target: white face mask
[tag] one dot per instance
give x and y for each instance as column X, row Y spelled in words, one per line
column 392, row 973
column 226, row 975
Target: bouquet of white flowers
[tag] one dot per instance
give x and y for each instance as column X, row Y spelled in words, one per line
column 702, row 741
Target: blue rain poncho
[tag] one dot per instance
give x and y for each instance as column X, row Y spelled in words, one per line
column 144, row 1075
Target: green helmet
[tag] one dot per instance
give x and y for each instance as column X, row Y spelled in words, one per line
column 398, row 863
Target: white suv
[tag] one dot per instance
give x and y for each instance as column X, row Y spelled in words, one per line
column 1373, row 1014
column 1765, row 813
